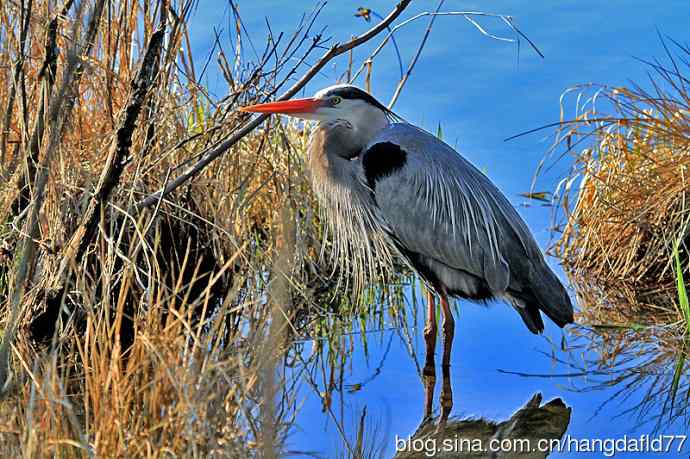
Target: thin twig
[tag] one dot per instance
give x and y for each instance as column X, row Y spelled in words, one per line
column 18, row 70
column 59, row 110
column 210, row 155
column 403, row 80
column 469, row 15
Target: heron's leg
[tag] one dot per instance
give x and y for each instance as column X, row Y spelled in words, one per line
column 448, row 329
column 448, row 333
column 429, row 371
column 430, row 333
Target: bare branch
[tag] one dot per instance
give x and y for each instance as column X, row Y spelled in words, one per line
column 469, row 15
column 209, row 155
column 18, row 69
column 404, row 78
column 62, row 105
column 118, row 156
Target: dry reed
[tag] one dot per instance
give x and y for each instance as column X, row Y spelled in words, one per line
column 139, row 330
column 142, row 324
column 624, row 203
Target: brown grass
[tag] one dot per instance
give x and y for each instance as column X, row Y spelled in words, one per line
column 624, row 203
column 159, row 341
column 164, row 330
column 622, row 218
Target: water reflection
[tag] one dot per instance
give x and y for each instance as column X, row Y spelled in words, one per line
column 374, row 387
column 348, row 387
column 644, row 369
column 519, row 435
column 429, row 371
column 523, row 435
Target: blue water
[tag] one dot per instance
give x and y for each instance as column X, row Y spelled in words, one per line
column 394, row 398
column 480, row 92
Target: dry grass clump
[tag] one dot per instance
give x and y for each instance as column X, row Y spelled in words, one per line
column 150, row 332
column 175, row 389
column 624, row 201
column 624, row 241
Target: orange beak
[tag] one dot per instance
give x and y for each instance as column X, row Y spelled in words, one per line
column 308, row 105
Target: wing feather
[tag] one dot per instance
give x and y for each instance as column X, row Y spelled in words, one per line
column 440, row 206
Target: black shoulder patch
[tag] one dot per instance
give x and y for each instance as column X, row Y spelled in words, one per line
column 381, row 160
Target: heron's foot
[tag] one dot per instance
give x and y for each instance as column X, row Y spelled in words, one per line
column 426, row 420
column 429, row 381
column 446, row 397
column 440, row 427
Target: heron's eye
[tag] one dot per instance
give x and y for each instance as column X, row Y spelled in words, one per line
column 335, row 100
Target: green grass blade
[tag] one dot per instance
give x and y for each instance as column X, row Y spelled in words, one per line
column 680, row 285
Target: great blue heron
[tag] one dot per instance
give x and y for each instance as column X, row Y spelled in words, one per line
column 389, row 187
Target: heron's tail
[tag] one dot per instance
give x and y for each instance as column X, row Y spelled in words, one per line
column 544, row 293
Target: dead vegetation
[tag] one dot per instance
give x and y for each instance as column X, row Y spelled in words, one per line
column 135, row 324
column 624, row 205
column 623, row 235
column 144, row 323
column 132, row 330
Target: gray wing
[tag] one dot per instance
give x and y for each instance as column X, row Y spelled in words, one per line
column 442, row 207
column 439, row 207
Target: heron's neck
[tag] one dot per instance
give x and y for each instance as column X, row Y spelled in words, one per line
column 334, row 143
column 367, row 126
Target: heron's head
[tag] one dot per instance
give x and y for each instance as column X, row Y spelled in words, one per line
column 339, row 102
